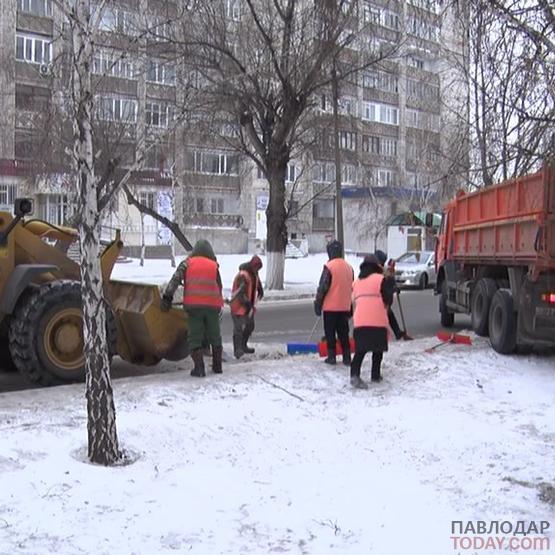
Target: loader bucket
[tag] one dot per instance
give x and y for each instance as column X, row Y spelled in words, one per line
column 146, row 334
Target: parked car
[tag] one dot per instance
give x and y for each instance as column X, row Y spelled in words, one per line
column 416, row 269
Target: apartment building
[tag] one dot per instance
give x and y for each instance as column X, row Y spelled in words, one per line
column 392, row 127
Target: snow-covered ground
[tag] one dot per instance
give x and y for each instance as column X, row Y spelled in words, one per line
column 301, row 274
column 280, row 455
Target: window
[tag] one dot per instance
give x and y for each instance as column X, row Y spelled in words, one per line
column 385, row 177
column 380, row 80
column 371, row 144
column 160, row 72
column 422, row 28
column 114, row 63
column 148, row 199
column 157, row 158
column 371, row 14
column 390, row 20
column 35, row 49
column 36, row 7
column 347, row 140
column 388, row 146
column 413, row 119
column 430, row 5
column 200, row 205
column 216, row 163
column 383, row 113
column 417, row 63
column 323, row 208
column 291, row 174
column 217, row 206
column 233, row 9
column 8, row 194
column 116, row 20
column 348, row 174
column 159, row 28
column 35, row 99
column 347, row 105
column 117, row 109
column 53, row 208
column 323, row 172
column 157, row 114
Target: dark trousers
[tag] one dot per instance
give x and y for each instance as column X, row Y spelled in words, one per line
column 377, row 357
column 337, row 323
column 393, row 324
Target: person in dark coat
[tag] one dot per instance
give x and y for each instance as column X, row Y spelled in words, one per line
column 372, row 294
column 389, row 274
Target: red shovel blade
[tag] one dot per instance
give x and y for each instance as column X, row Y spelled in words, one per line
column 323, row 347
column 454, row 338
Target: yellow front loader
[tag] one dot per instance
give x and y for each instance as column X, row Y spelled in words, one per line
column 41, row 327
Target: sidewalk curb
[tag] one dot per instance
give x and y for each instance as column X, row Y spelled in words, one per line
column 285, row 297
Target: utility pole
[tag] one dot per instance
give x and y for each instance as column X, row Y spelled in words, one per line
column 338, row 198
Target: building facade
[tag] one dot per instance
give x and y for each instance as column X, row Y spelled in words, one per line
column 394, row 136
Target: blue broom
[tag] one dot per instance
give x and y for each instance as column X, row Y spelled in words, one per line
column 304, row 348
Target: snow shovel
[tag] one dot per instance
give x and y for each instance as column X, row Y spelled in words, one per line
column 301, row 348
column 446, row 337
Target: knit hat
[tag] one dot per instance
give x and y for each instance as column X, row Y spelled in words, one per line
column 381, row 256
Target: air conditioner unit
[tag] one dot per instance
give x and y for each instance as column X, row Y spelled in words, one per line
column 45, row 70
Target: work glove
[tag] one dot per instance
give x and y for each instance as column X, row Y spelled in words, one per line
column 317, row 309
column 248, row 306
column 165, row 304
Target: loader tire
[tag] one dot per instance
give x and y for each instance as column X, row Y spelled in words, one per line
column 502, row 322
column 6, row 361
column 482, row 296
column 46, row 334
column 447, row 318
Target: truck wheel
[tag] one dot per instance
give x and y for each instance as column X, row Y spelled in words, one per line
column 46, row 334
column 423, row 283
column 481, row 301
column 502, row 322
column 447, row 317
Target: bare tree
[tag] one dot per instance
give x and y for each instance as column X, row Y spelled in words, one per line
column 510, row 74
column 263, row 63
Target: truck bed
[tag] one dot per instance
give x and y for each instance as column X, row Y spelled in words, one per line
column 511, row 223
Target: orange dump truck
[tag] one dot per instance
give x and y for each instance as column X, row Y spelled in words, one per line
column 495, row 258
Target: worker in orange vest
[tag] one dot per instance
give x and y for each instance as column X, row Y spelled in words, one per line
column 389, row 273
column 333, row 297
column 372, row 294
column 245, row 292
column 202, row 299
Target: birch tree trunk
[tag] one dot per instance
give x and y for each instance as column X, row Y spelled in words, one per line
column 276, row 214
column 103, row 447
column 143, row 246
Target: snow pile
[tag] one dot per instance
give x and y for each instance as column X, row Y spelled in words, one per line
column 283, row 456
column 301, row 274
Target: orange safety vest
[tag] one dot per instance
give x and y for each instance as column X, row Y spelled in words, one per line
column 237, row 307
column 370, row 309
column 201, row 284
column 338, row 297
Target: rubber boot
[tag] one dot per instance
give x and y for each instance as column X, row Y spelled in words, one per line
column 358, row 383
column 376, row 375
column 217, row 359
column 246, row 349
column 406, row 337
column 331, row 357
column 238, row 346
column 198, row 370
